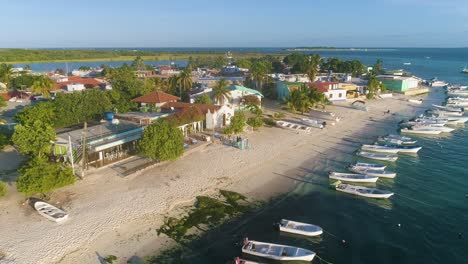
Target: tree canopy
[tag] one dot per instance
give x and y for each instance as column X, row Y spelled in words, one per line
column 34, row 138
column 40, row 176
column 237, row 125
column 161, row 141
column 304, row 98
column 221, row 92
column 203, row 99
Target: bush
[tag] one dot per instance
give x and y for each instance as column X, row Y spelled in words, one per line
column 162, row 141
column 3, row 189
column 278, row 115
column 238, row 123
column 40, row 176
column 255, row 122
column 269, row 121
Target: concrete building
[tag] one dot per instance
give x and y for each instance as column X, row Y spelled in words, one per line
column 398, row 83
column 156, row 99
column 237, row 93
column 329, row 89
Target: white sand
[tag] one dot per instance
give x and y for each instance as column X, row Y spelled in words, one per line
column 118, row 216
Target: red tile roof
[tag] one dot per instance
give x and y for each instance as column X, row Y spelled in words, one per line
column 322, row 86
column 156, row 97
column 181, row 106
column 87, row 82
column 9, row 95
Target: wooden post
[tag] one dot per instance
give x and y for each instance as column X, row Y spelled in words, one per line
column 71, row 154
column 83, row 144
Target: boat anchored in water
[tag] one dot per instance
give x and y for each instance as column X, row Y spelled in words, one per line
column 276, row 252
column 352, row 177
column 373, row 172
column 373, row 166
column 379, row 148
column 377, row 156
column 363, row 191
column 299, row 228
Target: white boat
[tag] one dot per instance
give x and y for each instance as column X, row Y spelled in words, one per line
column 373, row 166
column 457, row 103
column 408, row 149
column 377, row 156
column 378, row 148
column 449, row 108
column 414, row 101
column 352, row 177
column 299, row 228
column 422, row 131
column 50, row 212
column 293, row 126
column 364, row 191
column 445, row 113
column 395, row 142
column 277, row 252
column 313, row 123
column 244, row 261
column 406, row 63
column 373, row 172
column 436, row 83
column 399, row 137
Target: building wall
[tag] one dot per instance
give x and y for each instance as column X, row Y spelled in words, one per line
column 336, row 95
column 236, row 97
column 394, row 85
column 283, row 89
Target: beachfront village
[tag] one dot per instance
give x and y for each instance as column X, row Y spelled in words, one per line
column 59, row 128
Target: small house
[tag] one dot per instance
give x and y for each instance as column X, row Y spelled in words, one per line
column 156, row 99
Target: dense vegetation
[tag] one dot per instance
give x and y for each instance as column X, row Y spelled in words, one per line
column 3, row 189
column 162, row 141
column 237, row 125
column 305, row 98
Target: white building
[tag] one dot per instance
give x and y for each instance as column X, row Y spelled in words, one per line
column 75, row 87
column 237, row 94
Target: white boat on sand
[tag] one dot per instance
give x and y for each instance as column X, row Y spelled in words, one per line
column 352, row 177
column 299, row 228
column 277, row 252
column 363, row 191
column 313, row 123
column 373, row 166
column 415, row 101
column 50, row 212
column 373, row 172
column 377, row 156
column 293, row 126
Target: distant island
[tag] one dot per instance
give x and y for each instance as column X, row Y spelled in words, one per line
column 333, row 48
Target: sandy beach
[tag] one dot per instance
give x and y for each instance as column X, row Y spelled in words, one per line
column 112, row 215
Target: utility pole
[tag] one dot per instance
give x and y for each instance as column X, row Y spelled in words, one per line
column 83, row 144
column 72, row 162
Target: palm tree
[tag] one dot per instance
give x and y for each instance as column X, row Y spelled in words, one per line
column 184, row 80
column 42, row 86
column 221, row 92
column 299, row 99
column 172, row 84
column 259, row 72
column 5, row 74
column 312, row 66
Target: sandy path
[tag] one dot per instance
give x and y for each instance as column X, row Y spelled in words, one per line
column 113, row 215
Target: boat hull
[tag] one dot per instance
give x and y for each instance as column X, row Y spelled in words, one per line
column 373, row 166
column 271, row 254
column 375, row 173
column 343, row 177
column 377, row 148
column 283, row 227
column 354, row 191
column 377, row 157
column 421, row 132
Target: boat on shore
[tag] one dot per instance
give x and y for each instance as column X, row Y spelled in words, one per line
column 439, row 112
column 313, row 123
column 293, row 126
column 415, row 101
column 352, row 177
column 364, row 191
column 373, row 172
column 377, row 156
column 449, row 108
column 299, row 228
column 276, row 251
column 434, row 82
column 373, row 166
column 50, row 212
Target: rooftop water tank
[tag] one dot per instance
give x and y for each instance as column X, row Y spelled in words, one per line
column 109, row 116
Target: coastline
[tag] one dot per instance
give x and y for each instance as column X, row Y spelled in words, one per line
column 100, row 224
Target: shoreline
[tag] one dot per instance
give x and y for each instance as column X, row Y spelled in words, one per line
column 100, row 224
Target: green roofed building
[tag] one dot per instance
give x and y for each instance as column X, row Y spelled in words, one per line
column 398, row 83
column 239, row 92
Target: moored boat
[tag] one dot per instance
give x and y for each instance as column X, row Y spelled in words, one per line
column 373, row 172
column 50, row 212
column 299, row 228
column 276, row 251
column 377, row 156
column 421, row 131
column 363, row 191
column 415, row 101
column 373, row 166
column 379, row 148
column 352, row 177
column 244, row 261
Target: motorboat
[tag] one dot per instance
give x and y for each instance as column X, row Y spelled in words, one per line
column 422, row 131
column 444, row 113
column 373, row 172
column 377, row 156
column 364, row 191
column 449, row 108
column 373, row 166
column 244, row 261
column 352, row 177
column 379, row 148
column 395, row 142
column 50, row 212
column 415, row 101
column 313, row 123
column 299, row 228
column 276, row 251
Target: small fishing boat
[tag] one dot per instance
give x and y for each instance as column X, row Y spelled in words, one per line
column 395, row 142
column 379, row 148
column 373, row 172
column 449, row 108
column 377, row 156
column 293, row 126
column 439, row 112
column 352, row 177
column 406, row 63
column 373, row 166
column 277, row 252
column 313, row 123
column 415, row 101
column 299, row 228
column 465, row 70
column 421, row 131
column 243, row 261
column 399, row 137
column 50, row 212
column 363, row 191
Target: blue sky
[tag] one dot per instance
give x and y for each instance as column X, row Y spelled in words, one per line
column 240, row 23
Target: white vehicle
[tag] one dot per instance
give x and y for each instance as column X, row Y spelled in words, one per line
column 277, row 252
column 313, row 123
column 50, row 212
column 299, row 228
column 364, row 191
column 377, row 156
column 352, row 177
column 373, row 172
column 373, row 166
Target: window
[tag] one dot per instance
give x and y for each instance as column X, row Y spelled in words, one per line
column 339, row 95
column 330, row 95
